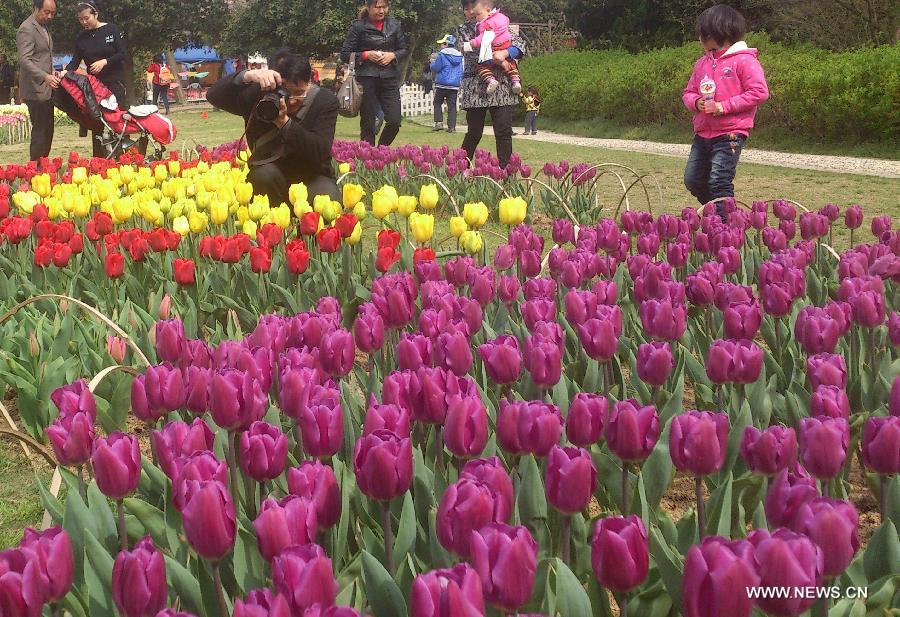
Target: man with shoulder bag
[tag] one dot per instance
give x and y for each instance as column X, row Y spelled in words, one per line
column 290, row 124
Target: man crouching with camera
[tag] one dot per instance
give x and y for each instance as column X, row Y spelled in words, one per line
column 290, row 125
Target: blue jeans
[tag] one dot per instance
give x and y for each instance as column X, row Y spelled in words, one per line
column 709, row 174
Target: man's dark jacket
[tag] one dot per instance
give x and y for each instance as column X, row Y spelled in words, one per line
column 307, row 143
column 364, row 36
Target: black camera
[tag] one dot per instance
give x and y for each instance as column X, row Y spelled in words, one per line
column 269, row 105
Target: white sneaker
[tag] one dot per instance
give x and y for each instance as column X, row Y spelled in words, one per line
column 492, row 87
column 516, row 87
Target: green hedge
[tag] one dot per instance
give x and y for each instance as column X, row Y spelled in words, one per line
column 831, row 95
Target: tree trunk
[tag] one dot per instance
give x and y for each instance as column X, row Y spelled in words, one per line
column 173, row 66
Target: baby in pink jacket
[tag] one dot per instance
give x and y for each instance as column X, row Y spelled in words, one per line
column 727, row 85
column 491, row 19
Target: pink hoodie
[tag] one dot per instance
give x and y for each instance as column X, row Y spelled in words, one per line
column 499, row 23
column 740, row 88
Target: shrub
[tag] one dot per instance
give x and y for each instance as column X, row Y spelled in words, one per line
column 831, row 95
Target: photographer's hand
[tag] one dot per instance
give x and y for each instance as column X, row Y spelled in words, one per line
column 282, row 118
column 266, row 78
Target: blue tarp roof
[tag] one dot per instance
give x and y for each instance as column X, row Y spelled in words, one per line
column 197, row 54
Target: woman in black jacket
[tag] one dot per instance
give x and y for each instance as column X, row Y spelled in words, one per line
column 102, row 48
column 379, row 46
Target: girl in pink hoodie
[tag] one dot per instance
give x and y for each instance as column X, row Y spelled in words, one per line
column 727, row 85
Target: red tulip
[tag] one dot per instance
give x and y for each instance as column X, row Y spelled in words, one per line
column 184, row 271
column 329, row 240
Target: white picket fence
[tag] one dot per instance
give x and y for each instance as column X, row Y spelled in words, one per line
column 415, row 102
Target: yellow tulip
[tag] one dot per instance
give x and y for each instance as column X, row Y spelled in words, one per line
column 513, row 210
column 202, row 167
column 160, row 173
column 281, row 216
column 406, row 205
column 331, row 211
column 249, row 228
column 471, row 241
column 82, row 207
column 112, row 174
column 298, row 194
column 79, row 175
column 68, row 202
column 344, row 168
column 355, row 237
column 359, row 210
column 122, row 210
column 244, row 193
column 352, row 194
column 458, row 226
column 26, row 201
column 126, row 172
column 422, row 226
column 476, row 214
column 198, row 222
column 242, row 215
column 40, row 184
column 181, row 225
column 301, row 208
column 320, row 202
column 259, row 207
column 218, row 212
column 384, row 201
column 174, row 168
column 429, row 196
column 203, row 199
column 53, row 210
column 244, row 156
column 176, row 210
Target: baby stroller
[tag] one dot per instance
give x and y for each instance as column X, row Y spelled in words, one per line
column 88, row 102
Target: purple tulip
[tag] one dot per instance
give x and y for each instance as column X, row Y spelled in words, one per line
column 881, row 444
column 770, row 451
column 389, row 417
column 654, row 363
column 584, row 424
column 210, row 523
column 236, row 400
column 853, row 217
column 466, row 506
column 284, row 523
column 829, row 401
column 698, row 441
column 506, row 561
column 833, row 525
column 619, row 552
column 317, row 610
column 368, row 329
column 482, row 284
column 530, row 262
column 504, row 257
column 491, row 473
column 303, row 574
column 157, row 392
column 453, row 352
column 663, row 320
column 734, row 361
column 742, row 320
column 580, row 305
column 188, row 470
column 823, row 445
column 263, row 451
column 383, row 465
column 170, row 340
column 540, row 289
column 117, row 464
column 502, row 359
column 791, row 488
column 534, row 311
column 570, row 480
column 543, row 360
column 447, row 593
column 321, row 423
column 631, row 430
column 337, row 351
column 177, row 439
column 394, row 296
column 413, row 352
column 295, row 385
column 51, row 552
column 880, row 225
column 508, row 290
column 196, row 387
column 139, row 586
column 786, row 559
column 826, row 369
column 466, row 426
column 816, row 331
column 74, row 398
column 563, row 232
column 717, row 573
column 72, row 438
column 262, row 603
column 456, row 270
column 599, row 339
column 868, row 309
column 316, row 482
column 528, row 427
column 894, row 397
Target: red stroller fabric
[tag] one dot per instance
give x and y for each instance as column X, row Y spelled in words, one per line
column 83, row 97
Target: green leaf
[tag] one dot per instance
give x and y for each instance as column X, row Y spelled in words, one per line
column 670, row 564
column 531, row 498
column 657, row 471
column 572, row 599
column 51, row 503
column 718, row 518
column 186, row 586
column 98, row 576
column 381, row 590
column 406, row 534
column 882, row 556
column 104, row 521
column 152, row 519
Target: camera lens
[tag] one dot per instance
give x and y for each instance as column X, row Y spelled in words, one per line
column 267, row 110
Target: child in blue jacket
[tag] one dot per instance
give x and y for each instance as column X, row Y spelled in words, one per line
column 447, row 67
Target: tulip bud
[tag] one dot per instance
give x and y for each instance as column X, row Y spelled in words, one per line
column 833, row 525
column 382, row 462
column 506, row 561
column 619, row 553
column 632, row 430
column 304, row 575
column 285, row 523
column 447, row 593
column 117, row 464
column 823, row 445
column 466, row 426
column 716, row 574
column 698, row 441
column 584, row 424
column 570, row 480
column 770, row 451
column 317, row 483
column 210, row 522
column 785, row 558
column 51, row 553
column 263, row 451
column 528, row 427
column 262, row 603
column 881, row 444
column 654, row 363
column 139, row 587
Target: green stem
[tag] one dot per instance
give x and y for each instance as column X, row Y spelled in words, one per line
column 123, row 532
column 232, row 466
column 566, row 539
column 625, row 486
column 388, row 536
column 220, row 591
column 701, row 508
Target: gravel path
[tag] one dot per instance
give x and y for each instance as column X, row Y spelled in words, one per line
column 883, row 168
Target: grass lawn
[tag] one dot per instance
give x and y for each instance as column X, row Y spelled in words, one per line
column 19, row 504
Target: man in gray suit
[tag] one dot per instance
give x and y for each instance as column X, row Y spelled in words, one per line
column 36, row 77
